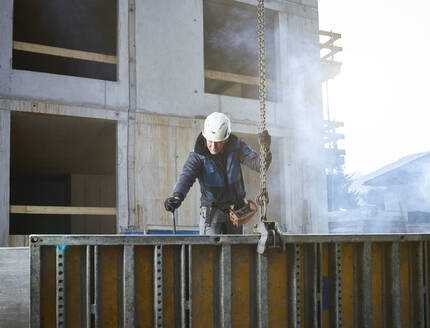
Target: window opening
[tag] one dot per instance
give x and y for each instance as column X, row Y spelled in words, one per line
column 63, row 175
column 77, row 38
column 231, row 49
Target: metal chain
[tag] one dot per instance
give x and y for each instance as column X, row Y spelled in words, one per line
column 263, row 198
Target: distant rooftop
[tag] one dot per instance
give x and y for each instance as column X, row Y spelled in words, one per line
column 399, row 172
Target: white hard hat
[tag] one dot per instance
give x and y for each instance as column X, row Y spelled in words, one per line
column 217, row 127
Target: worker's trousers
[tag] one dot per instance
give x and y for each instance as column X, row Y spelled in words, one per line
column 218, row 228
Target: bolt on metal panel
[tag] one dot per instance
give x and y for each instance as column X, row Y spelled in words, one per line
column 158, row 286
column 335, row 284
column 293, row 283
column 60, row 290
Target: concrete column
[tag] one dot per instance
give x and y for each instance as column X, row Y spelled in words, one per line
column 6, row 8
column 131, row 112
column 4, row 176
column 121, row 175
column 6, row 13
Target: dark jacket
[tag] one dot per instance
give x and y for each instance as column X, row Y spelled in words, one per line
column 220, row 176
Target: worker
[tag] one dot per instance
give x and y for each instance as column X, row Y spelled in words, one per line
column 216, row 162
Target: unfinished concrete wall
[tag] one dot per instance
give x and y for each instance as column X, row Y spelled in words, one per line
column 153, row 144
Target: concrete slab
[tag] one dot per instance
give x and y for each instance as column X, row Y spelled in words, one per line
column 58, row 88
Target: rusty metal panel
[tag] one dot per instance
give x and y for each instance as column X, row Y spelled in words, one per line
column 277, row 289
column 404, row 284
column 75, row 276
column 348, row 278
column 47, row 287
column 376, row 270
column 110, row 285
column 171, row 285
column 242, row 256
column 312, row 297
column 221, row 281
column 203, row 286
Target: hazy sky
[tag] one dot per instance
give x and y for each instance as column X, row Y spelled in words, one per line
column 383, row 92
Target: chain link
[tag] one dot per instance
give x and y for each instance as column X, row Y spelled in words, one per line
column 263, row 198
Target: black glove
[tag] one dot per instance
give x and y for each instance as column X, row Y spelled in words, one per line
column 265, row 139
column 173, row 202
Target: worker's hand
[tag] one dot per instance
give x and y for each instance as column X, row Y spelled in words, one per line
column 173, row 202
column 265, row 139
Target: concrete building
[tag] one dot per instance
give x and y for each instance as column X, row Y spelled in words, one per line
column 101, row 102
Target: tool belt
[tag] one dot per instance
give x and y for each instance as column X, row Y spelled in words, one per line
column 213, row 215
column 237, row 217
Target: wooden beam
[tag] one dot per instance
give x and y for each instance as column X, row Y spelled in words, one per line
column 235, row 78
column 73, row 210
column 330, row 46
column 335, row 36
column 62, row 52
column 331, row 53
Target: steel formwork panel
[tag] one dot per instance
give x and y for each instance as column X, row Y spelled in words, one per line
column 221, row 281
